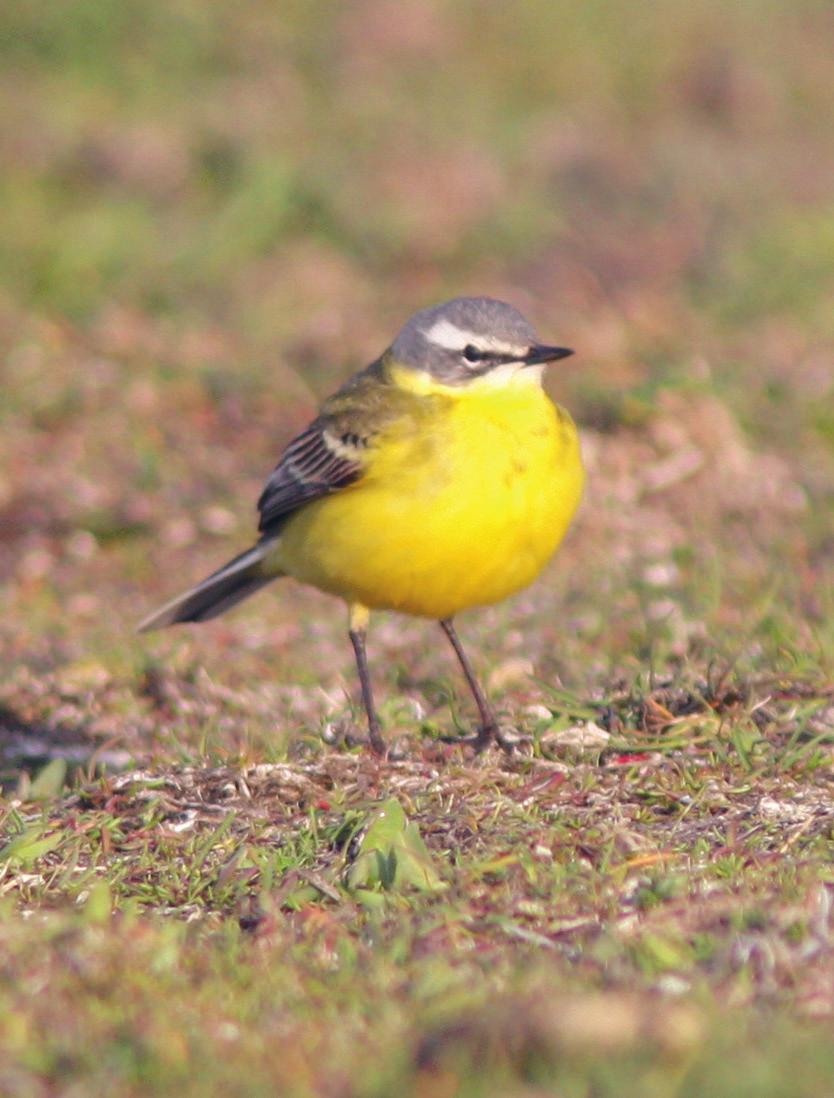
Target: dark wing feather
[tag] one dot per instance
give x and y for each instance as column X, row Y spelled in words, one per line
column 309, row 468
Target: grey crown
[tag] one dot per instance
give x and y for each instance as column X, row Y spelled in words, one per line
column 484, row 318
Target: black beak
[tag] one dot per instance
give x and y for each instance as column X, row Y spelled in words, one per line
column 540, row 353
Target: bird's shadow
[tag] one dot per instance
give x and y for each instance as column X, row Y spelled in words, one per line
column 28, row 746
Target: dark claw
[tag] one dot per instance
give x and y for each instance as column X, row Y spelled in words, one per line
column 481, row 740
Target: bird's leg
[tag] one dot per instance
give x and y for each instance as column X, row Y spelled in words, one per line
column 488, row 730
column 358, row 630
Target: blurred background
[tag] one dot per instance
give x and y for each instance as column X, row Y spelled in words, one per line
column 212, row 214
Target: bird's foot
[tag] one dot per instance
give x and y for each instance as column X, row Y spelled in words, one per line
column 373, row 743
column 484, row 737
column 344, row 733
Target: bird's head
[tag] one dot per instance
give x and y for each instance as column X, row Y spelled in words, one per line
column 469, row 339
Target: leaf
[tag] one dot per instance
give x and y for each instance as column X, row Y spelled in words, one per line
column 391, row 854
column 99, row 903
column 28, row 846
column 50, row 781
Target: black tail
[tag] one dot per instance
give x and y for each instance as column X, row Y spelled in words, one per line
column 229, row 585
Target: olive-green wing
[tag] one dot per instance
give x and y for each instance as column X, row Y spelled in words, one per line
column 334, row 451
column 316, row 463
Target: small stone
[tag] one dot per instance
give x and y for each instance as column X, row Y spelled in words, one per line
column 538, row 712
column 772, row 809
column 582, row 737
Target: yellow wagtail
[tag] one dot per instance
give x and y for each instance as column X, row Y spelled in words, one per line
column 438, row 478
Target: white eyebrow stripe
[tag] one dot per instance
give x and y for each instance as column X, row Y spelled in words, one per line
column 443, row 333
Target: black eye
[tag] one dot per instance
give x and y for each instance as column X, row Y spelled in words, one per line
column 472, row 354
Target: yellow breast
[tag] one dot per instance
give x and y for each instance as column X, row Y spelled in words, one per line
column 459, row 508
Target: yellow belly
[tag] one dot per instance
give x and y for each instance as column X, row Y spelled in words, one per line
column 463, row 512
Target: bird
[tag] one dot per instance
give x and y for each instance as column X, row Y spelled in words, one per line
column 440, row 477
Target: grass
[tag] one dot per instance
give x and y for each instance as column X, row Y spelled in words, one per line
column 212, row 219
column 622, row 919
